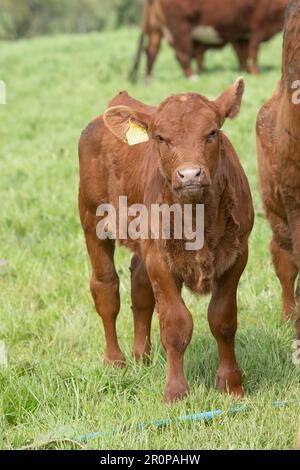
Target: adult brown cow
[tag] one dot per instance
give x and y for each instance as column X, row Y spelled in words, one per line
column 278, row 144
column 185, row 159
column 194, row 26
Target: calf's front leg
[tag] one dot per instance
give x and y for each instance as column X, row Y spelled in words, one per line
column 176, row 325
column 222, row 316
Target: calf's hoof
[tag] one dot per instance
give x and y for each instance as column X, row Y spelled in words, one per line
column 175, row 392
column 290, row 315
column 231, row 382
column 114, row 360
column 298, row 440
column 141, row 357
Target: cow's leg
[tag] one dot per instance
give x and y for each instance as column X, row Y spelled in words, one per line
column 142, row 305
column 104, row 285
column 199, row 52
column 184, row 58
column 287, row 271
column 183, row 45
column 176, row 324
column 242, row 50
column 254, row 46
column 153, row 48
column 134, row 71
column 222, row 316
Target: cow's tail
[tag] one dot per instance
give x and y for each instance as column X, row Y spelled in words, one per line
column 137, row 60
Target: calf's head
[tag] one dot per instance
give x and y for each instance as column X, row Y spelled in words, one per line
column 185, row 129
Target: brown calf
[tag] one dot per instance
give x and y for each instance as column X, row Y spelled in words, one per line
column 278, row 144
column 187, row 159
column 194, row 26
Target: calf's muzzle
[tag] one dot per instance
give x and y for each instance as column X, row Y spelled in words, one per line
column 189, row 178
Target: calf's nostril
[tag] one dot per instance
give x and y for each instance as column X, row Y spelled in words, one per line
column 189, row 175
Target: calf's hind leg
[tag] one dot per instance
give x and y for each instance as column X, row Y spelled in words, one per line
column 142, row 306
column 104, row 286
column 287, row 271
column 222, row 316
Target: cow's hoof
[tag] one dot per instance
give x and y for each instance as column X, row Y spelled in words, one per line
column 114, row 360
column 231, row 383
column 148, row 80
column 255, row 71
column 175, row 392
column 194, row 78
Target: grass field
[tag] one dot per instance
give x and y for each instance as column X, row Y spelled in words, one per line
column 55, row 386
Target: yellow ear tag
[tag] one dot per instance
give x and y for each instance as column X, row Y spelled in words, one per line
column 136, row 134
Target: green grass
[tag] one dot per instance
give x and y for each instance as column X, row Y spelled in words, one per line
column 55, row 383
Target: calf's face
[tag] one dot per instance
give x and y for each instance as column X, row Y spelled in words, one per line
column 186, row 132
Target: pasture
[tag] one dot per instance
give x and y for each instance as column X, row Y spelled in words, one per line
column 55, row 385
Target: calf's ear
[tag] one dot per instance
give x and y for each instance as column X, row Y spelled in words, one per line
column 128, row 125
column 229, row 103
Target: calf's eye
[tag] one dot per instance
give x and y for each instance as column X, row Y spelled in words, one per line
column 213, row 135
column 159, row 139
